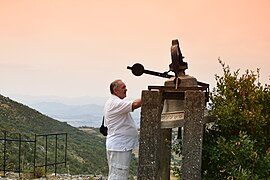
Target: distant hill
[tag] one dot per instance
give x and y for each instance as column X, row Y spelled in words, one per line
column 76, row 111
column 81, row 100
column 89, row 115
column 86, row 151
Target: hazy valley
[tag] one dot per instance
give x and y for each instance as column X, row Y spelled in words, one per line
column 77, row 111
column 85, row 149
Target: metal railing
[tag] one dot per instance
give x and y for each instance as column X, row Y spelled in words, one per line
column 12, row 149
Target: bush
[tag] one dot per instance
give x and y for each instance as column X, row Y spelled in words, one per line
column 237, row 145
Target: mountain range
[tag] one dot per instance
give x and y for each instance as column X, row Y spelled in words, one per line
column 85, row 149
column 89, row 115
column 83, row 111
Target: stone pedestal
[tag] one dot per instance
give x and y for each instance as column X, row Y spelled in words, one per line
column 193, row 135
column 150, row 136
column 184, row 107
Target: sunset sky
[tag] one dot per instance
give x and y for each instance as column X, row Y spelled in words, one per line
column 75, row 48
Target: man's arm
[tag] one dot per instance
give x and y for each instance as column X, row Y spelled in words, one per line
column 136, row 104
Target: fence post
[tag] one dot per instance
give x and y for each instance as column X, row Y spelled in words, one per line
column 35, row 155
column 55, row 157
column 20, row 143
column 5, row 146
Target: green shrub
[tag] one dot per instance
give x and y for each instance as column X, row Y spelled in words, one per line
column 237, row 145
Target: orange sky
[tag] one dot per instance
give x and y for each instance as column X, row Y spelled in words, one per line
column 77, row 47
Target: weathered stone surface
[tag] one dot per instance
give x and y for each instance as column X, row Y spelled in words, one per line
column 150, row 135
column 165, row 153
column 155, row 141
column 193, row 135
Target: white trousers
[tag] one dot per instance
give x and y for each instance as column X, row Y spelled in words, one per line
column 118, row 162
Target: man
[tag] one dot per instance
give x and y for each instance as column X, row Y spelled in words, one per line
column 122, row 132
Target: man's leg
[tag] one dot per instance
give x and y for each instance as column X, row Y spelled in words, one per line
column 118, row 162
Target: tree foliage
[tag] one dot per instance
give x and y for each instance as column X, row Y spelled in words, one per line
column 237, row 144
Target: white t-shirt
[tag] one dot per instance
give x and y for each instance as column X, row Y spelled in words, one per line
column 122, row 131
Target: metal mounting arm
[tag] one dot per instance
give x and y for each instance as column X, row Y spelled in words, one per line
column 137, row 69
